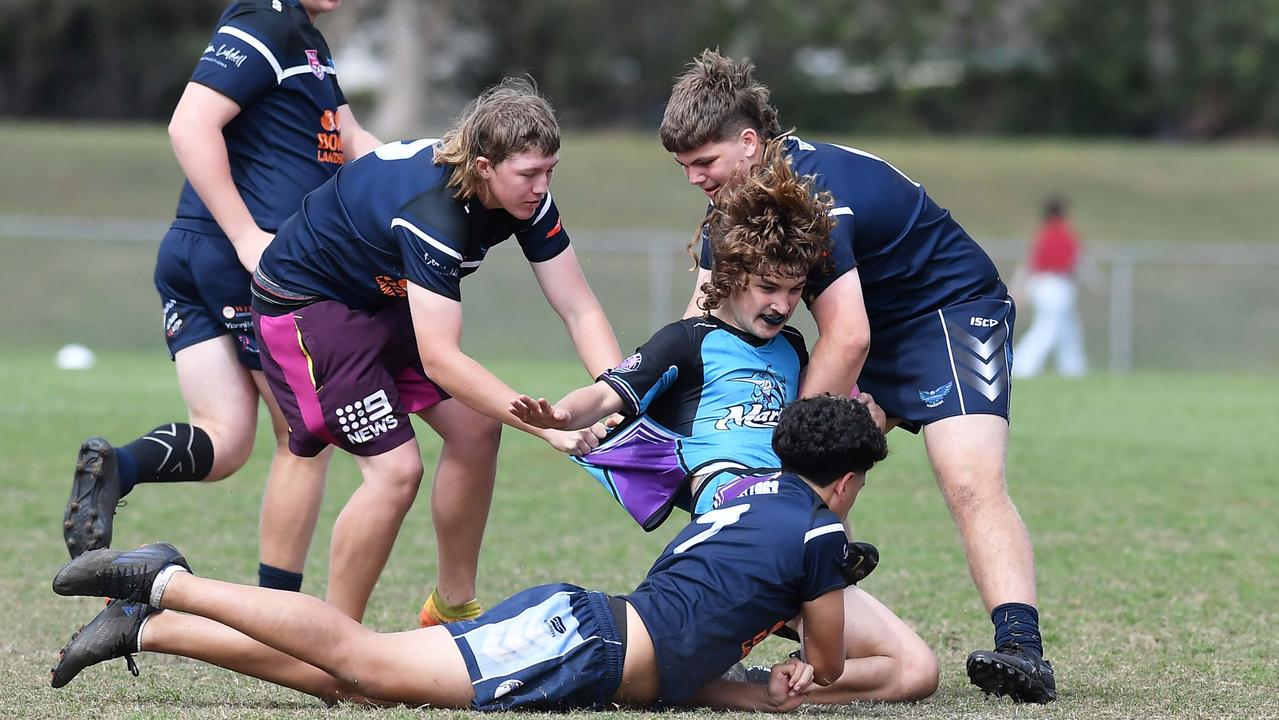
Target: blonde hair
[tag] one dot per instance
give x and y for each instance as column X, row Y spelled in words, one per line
column 505, row 120
column 716, row 97
column 770, row 224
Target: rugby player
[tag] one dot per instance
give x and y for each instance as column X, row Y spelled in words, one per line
column 912, row 311
column 720, row 587
column 261, row 123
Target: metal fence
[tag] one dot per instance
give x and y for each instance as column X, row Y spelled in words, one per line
column 1154, row 306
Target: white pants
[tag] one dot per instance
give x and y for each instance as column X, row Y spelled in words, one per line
column 1055, row 327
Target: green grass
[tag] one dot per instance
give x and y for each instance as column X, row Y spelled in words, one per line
column 1151, row 501
column 1121, row 192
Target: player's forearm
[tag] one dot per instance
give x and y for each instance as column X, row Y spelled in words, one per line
column 357, row 143
column 587, row 406
column 731, row 695
column 473, row 385
column 202, row 155
column 593, row 338
column 834, row 364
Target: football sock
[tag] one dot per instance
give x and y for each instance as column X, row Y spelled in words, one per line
column 275, row 578
column 436, row 612
column 162, row 581
column 1019, row 623
column 176, row 452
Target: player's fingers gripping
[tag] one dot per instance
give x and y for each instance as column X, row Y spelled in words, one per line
column 802, row 680
column 600, row 430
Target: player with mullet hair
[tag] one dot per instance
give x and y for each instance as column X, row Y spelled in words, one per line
column 911, row 310
column 721, row 585
column 704, row 395
column 261, row 123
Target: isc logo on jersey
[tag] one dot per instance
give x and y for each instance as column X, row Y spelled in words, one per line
column 765, row 406
column 365, row 419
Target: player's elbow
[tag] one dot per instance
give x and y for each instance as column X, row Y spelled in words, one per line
column 827, row 673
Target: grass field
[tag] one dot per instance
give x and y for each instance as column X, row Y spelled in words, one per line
column 1151, row 501
column 1121, row 192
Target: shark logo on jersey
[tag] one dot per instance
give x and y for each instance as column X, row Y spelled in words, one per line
column 933, row 398
column 765, row 406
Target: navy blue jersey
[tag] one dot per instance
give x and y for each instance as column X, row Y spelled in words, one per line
column 911, row 255
column 735, row 575
column 268, row 57
column 387, row 218
column 702, row 393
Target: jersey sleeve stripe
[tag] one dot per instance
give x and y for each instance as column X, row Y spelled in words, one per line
column 823, row 530
column 840, row 211
column 257, row 45
column 546, row 205
column 304, row 69
column 401, row 222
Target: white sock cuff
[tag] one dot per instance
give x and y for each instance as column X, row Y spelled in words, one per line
column 161, row 581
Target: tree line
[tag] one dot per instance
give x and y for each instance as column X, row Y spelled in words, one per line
column 1140, row 68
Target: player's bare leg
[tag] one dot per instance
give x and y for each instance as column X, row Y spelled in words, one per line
column 967, row 453
column 887, row 660
column 294, row 492
column 185, row 635
column 461, row 495
column 417, row 667
column 222, row 400
column 366, row 528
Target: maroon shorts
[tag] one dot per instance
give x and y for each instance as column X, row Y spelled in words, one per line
column 345, row 377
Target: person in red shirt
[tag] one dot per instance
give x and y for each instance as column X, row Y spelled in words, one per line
column 1054, row 260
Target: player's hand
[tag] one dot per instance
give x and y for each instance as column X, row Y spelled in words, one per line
column 788, row 683
column 250, row 245
column 876, row 412
column 573, row 442
column 539, row 413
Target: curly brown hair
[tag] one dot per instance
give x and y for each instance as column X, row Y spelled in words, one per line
column 715, row 98
column 770, row 223
column 505, row 120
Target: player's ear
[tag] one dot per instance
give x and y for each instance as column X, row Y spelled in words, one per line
column 484, row 167
column 847, row 487
column 749, row 139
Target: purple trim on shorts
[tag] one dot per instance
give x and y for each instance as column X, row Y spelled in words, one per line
column 417, row 391
column 280, row 335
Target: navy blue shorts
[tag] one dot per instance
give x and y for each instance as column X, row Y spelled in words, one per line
column 552, row 647
column 205, row 293
column 954, row 361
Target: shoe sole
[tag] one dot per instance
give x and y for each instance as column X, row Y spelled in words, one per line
column 998, row 678
column 83, row 527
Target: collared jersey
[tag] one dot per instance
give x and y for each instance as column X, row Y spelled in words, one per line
column 912, row 257
column 733, row 576
column 701, row 394
column 267, row 57
column 387, row 219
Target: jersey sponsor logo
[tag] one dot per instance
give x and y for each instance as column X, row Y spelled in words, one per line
column 224, row 55
column 559, row 225
column 276, row 6
column 630, row 364
column 982, row 322
column 366, row 419
column 391, row 287
column 313, row 60
column 767, row 398
column 329, row 139
column 933, row 398
column 237, row 317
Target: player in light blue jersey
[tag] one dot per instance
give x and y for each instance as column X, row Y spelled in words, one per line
column 704, row 394
column 911, row 310
column 261, row 123
column 719, row 588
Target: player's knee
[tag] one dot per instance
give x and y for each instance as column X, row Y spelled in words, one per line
column 919, row 674
column 398, row 477
column 231, row 449
column 971, row 489
column 481, row 440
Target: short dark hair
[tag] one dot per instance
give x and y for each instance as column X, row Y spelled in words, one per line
column 823, row 437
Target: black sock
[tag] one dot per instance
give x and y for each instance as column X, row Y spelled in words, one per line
column 277, row 579
column 1019, row 623
column 176, row 452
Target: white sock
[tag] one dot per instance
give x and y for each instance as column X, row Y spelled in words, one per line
column 162, row 580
